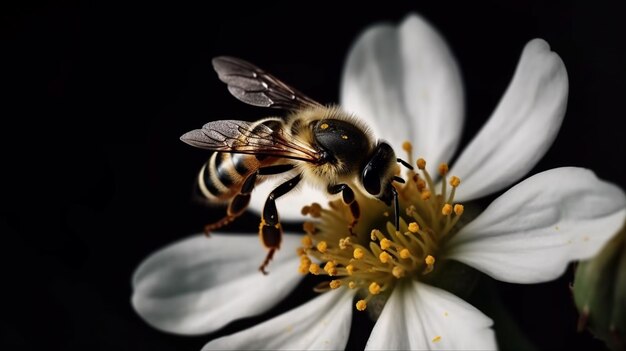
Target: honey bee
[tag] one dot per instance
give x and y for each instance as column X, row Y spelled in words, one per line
column 322, row 145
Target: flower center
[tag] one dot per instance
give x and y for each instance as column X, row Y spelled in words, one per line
column 376, row 254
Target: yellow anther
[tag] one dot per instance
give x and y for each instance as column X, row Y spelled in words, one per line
column 384, row 257
column 425, row 195
column 314, row 269
column 398, row 272
column 306, row 241
column 300, row 251
column 437, row 338
column 344, row 243
column 334, row 284
column 351, row 285
column 458, row 209
column 375, row 233
column 455, row 181
column 309, row 227
column 361, row 305
column 305, row 260
column 443, row 169
column 421, row 163
column 405, row 253
column 385, row 244
column 324, row 126
column 330, row 268
column 358, row 253
column 421, row 185
column 446, row 209
column 322, row 246
column 315, row 210
column 429, row 260
column 414, row 227
column 350, row 269
column 305, row 210
column 303, row 268
column 406, row 146
column 374, row 288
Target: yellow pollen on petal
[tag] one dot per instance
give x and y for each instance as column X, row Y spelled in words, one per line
column 322, row 246
column 385, row 244
column 429, row 260
column 374, row 288
column 437, row 338
column 405, row 253
column 421, row 163
column 306, row 241
column 414, row 227
column 398, row 272
column 334, row 284
column 314, row 269
column 458, row 209
column 361, row 305
column 351, row 285
column 446, row 209
column 358, row 253
column 443, row 169
column 455, row 181
column 384, row 257
column 350, row 269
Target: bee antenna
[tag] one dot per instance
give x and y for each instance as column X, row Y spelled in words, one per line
column 405, row 164
column 398, row 179
column 396, row 207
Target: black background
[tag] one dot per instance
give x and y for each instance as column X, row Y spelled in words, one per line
column 95, row 178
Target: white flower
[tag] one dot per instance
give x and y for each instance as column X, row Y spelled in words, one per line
column 404, row 82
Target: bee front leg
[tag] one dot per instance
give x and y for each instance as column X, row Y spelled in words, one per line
column 347, row 195
column 270, row 230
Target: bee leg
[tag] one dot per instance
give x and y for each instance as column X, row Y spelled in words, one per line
column 270, row 230
column 241, row 201
column 347, row 195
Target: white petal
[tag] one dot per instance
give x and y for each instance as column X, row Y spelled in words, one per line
column 200, row 284
column 421, row 317
column 321, row 324
column 531, row 232
column 404, row 82
column 290, row 204
column 522, row 127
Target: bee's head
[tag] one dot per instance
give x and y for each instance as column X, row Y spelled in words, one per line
column 379, row 171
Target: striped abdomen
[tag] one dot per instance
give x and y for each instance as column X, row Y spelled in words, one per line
column 221, row 178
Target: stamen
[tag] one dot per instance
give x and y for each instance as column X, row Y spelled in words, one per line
column 414, row 227
column 446, row 210
column 398, row 272
column 361, row 305
column 350, row 269
column 322, row 246
column 306, row 241
column 330, row 268
column 421, row 163
column 314, row 269
column 385, row 244
column 405, row 253
column 443, row 169
column 458, row 209
column 374, row 288
column 384, row 257
column 358, row 253
column 309, row 227
column 352, row 285
column 455, row 181
column 429, row 260
column 334, row 284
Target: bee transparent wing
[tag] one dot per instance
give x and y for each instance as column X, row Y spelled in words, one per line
column 249, row 138
column 254, row 86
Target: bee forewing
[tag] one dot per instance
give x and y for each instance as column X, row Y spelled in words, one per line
column 256, row 87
